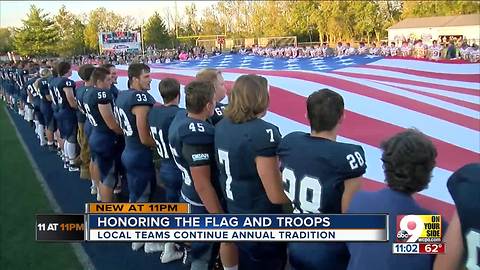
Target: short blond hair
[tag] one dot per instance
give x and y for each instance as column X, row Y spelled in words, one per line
column 208, row 74
column 248, row 99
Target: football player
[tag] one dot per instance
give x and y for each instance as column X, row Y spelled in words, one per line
column 46, row 106
column 85, row 73
column 159, row 119
column 215, row 76
column 33, row 102
column 120, row 170
column 52, row 81
column 98, row 105
column 315, row 163
column 113, row 74
column 408, row 160
column 463, row 234
column 131, row 110
column 245, row 150
column 65, row 92
column 191, row 140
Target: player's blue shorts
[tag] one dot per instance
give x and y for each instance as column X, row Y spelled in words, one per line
column 88, row 129
column 68, row 125
column 171, row 177
column 262, row 255
column 319, row 256
column 140, row 171
column 47, row 114
column 104, row 151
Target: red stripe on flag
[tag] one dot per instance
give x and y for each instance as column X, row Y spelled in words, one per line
column 399, row 80
column 293, row 106
column 390, row 98
column 282, row 99
column 466, row 104
column 443, row 61
column 429, row 74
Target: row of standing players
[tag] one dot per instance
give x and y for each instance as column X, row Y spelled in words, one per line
column 231, row 164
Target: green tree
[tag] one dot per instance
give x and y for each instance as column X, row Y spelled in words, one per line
column 439, row 8
column 5, row 40
column 210, row 22
column 38, row 35
column 70, row 30
column 155, row 32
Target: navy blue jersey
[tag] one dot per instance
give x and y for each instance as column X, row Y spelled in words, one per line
column 30, row 88
column 236, row 147
column 124, row 103
column 464, row 186
column 54, row 93
column 79, row 94
column 217, row 113
column 62, row 83
column 378, row 256
column 314, row 170
column 92, row 99
column 159, row 119
column 191, row 143
column 114, row 91
column 23, row 76
column 20, row 76
column 43, row 89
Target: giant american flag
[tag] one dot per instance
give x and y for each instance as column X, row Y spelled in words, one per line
column 383, row 96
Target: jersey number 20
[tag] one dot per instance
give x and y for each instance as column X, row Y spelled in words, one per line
column 309, row 191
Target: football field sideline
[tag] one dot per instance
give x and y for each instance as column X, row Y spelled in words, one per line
column 21, row 197
column 70, row 193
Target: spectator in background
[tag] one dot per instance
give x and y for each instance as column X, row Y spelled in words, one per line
column 451, row 51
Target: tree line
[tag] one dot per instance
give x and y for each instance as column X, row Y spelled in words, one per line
column 66, row 34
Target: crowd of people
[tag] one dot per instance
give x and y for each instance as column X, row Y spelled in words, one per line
column 223, row 158
column 151, row 56
column 416, row 49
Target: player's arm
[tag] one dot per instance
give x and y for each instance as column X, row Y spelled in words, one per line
column 141, row 115
column 268, row 170
column 48, row 96
column 70, row 97
column 265, row 144
column 453, row 257
column 350, row 187
column 199, row 158
column 107, row 115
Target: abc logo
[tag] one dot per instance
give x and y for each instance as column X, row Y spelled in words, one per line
column 402, row 235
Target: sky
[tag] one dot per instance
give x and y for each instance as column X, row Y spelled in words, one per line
column 12, row 12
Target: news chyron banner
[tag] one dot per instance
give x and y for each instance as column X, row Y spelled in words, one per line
column 173, row 222
column 418, row 234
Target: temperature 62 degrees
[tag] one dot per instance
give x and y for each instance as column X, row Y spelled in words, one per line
column 434, row 248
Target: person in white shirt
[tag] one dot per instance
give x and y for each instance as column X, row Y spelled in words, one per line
column 374, row 49
column 384, row 49
column 405, row 49
column 435, row 50
column 393, row 49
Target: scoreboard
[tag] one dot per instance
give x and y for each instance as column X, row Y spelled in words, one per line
column 120, row 41
column 119, row 37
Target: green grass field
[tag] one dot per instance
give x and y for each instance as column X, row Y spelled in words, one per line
column 21, row 197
